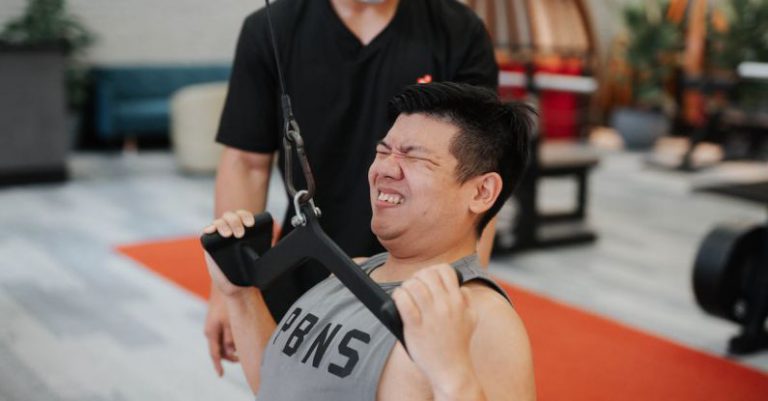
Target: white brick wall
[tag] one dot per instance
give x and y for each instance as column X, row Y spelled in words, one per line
column 156, row 31
column 168, row 31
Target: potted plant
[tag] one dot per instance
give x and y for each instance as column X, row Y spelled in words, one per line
column 48, row 24
column 42, row 88
column 649, row 54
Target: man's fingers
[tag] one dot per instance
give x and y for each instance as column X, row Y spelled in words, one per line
column 467, row 299
column 466, row 296
column 432, row 280
column 449, row 276
column 409, row 312
column 360, row 259
column 450, row 280
column 223, row 228
column 419, row 292
column 232, row 223
column 235, row 223
column 229, row 352
column 246, row 217
column 214, row 349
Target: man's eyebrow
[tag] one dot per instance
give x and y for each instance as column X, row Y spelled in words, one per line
column 414, row 148
column 405, row 149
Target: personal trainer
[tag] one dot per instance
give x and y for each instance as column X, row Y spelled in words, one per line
column 451, row 159
column 343, row 60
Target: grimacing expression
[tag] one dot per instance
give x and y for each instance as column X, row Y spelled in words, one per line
column 413, row 183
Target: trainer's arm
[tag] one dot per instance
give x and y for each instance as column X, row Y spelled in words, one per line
column 241, row 184
column 242, row 181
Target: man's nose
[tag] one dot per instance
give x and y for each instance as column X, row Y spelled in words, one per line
column 389, row 166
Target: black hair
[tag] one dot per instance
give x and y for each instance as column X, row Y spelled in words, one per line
column 493, row 136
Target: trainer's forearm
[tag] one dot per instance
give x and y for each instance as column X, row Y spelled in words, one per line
column 242, row 180
column 252, row 325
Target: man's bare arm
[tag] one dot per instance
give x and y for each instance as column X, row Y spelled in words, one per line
column 242, row 181
column 252, row 326
column 468, row 342
column 501, row 352
column 251, row 322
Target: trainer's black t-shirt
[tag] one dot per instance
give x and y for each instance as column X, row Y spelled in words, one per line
column 339, row 90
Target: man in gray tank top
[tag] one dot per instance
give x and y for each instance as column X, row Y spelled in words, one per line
column 452, row 157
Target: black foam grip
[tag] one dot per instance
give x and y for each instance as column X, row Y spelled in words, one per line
column 233, row 254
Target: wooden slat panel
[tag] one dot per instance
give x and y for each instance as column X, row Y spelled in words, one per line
column 542, row 35
column 522, row 22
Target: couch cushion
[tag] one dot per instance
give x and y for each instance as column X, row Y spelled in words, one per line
column 142, row 115
column 143, row 82
column 134, row 100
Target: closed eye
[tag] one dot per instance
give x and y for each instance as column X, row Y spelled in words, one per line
column 382, row 148
column 407, row 153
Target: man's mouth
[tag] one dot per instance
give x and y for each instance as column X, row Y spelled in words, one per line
column 395, row 199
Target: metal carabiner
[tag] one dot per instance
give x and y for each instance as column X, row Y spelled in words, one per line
column 299, row 219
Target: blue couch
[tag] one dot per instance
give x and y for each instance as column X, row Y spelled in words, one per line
column 135, row 101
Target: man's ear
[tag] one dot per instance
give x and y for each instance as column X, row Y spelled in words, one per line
column 487, row 188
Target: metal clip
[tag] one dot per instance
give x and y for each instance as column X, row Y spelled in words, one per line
column 293, row 137
column 300, row 219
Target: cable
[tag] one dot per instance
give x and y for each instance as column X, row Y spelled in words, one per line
column 292, row 139
column 274, row 50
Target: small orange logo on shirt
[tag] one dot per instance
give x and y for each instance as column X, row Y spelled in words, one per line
column 425, row 79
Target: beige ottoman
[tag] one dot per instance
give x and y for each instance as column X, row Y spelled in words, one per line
column 195, row 113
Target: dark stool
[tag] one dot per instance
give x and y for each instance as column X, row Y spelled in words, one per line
column 534, row 228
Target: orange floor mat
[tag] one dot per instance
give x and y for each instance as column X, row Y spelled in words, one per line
column 578, row 356
column 178, row 260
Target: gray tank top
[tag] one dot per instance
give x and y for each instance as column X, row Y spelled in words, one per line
column 330, row 347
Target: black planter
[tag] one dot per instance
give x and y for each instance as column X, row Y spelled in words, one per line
column 34, row 132
column 639, row 128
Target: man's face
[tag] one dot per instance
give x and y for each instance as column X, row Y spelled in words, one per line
column 414, row 191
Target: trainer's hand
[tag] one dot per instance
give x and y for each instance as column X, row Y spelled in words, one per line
column 438, row 322
column 221, row 344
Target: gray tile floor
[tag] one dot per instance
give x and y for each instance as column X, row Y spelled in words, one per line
column 81, row 322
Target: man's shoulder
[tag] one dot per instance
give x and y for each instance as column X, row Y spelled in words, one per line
column 497, row 320
column 486, row 299
column 493, row 311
